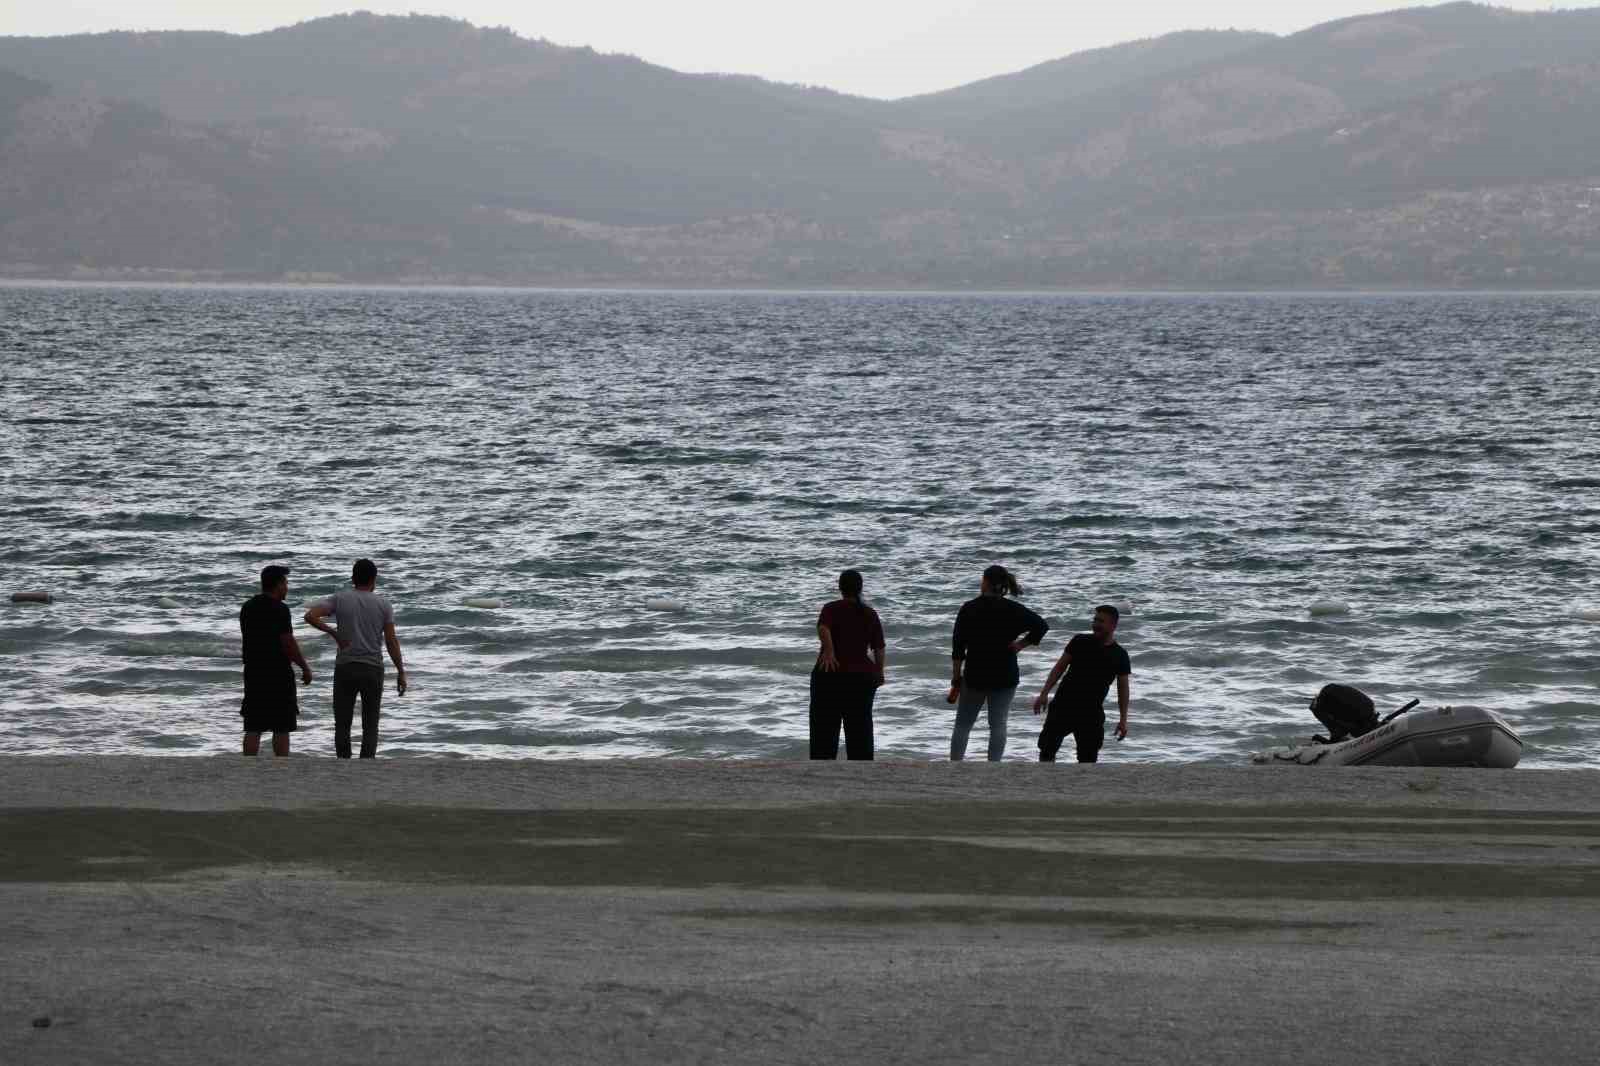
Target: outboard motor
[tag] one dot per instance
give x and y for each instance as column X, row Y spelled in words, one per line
column 1347, row 712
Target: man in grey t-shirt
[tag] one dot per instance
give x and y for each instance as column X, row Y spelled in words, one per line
column 365, row 628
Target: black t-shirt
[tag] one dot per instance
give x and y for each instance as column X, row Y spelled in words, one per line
column 985, row 628
column 262, row 623
column 1094, row 666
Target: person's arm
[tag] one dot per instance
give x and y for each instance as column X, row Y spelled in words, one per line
column 291, row 648
column 1122, row 706
column 876, row 639
column 1037, row 628
column 828, row 661
column 1056, row 673
column 958, row 652
column 392, row 642
column 314, row 618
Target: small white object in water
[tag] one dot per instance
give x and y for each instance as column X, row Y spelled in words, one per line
column 1324, row 608
column 487, row 603
column 1588, row 614
column 665, row 603
column 168, row 603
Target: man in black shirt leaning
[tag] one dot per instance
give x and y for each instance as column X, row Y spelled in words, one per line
column 1090, row 662
column 270, row 703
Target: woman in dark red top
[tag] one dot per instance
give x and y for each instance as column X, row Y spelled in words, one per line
column 847, row 675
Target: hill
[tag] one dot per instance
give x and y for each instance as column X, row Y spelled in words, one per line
column 1437, row 146
column 1057, row 83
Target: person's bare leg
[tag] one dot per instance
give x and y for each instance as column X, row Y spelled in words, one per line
column 252, row 743
column 280, row 743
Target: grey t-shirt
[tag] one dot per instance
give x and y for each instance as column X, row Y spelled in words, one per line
column 359, row 618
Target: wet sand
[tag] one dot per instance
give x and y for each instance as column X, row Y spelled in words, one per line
column 302, row 910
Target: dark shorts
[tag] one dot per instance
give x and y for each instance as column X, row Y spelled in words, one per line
column 1087, row 725
column 271, row 703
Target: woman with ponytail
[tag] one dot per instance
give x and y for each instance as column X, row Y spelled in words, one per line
column 848, row 672
column 989, row 632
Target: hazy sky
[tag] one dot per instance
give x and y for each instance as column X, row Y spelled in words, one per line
column 874, row 47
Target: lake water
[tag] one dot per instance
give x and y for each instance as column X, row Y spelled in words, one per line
column 1213, row 464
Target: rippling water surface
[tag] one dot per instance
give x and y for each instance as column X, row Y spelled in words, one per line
column 1216, row 465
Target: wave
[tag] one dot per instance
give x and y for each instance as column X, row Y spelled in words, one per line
column 152, row 521
column 1089, row 521
column 168, row 679
column 1540, row 672
column 643, row 660
column 482, row 640
column 1430, row 619
column 665, row 455
column 511, row 736
column 1279, row 627
column 175, row 647
column 472, row 618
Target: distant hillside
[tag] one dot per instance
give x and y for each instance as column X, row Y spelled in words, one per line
column 1525, row 127
column 1056, row 83
column 89, row 185
column 1439, row 146
column 435, row 107
column 1287, row 85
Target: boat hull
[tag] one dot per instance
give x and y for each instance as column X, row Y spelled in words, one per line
column 1442, row 736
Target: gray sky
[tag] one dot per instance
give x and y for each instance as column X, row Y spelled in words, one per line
column 874, row 47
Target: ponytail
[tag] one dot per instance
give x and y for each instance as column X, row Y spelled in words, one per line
column 1002, row 581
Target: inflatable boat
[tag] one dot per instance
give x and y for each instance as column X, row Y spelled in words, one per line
column 1443, row 736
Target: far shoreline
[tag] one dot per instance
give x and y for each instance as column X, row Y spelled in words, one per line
column 643, row 288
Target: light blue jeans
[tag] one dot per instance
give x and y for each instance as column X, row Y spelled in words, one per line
column 968, row 704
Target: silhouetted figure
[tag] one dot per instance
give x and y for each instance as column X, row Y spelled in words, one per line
column 847, row 674
column 365, row 628
column 989, row 632
column 1090, row 663
column 270, row 703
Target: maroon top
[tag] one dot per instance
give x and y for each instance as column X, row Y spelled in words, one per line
column 854, row 628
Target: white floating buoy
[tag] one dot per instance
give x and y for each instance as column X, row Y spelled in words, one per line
column 168, row 603
column 665, row 603
column 486, row 603
column 1325, row 608
column 1588, row 614
column 32, row 597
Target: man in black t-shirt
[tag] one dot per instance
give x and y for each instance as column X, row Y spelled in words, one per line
column 270, row 703
column 1090, row 662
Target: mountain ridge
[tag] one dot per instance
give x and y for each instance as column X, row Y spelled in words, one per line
column 373, row 148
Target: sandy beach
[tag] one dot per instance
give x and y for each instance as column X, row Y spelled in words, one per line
column 302, row 910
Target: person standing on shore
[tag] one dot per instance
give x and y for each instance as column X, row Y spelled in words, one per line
column 989, row 632
column 270, row 703
column 1090, row 663
column 847, row 673
column 365, row 629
